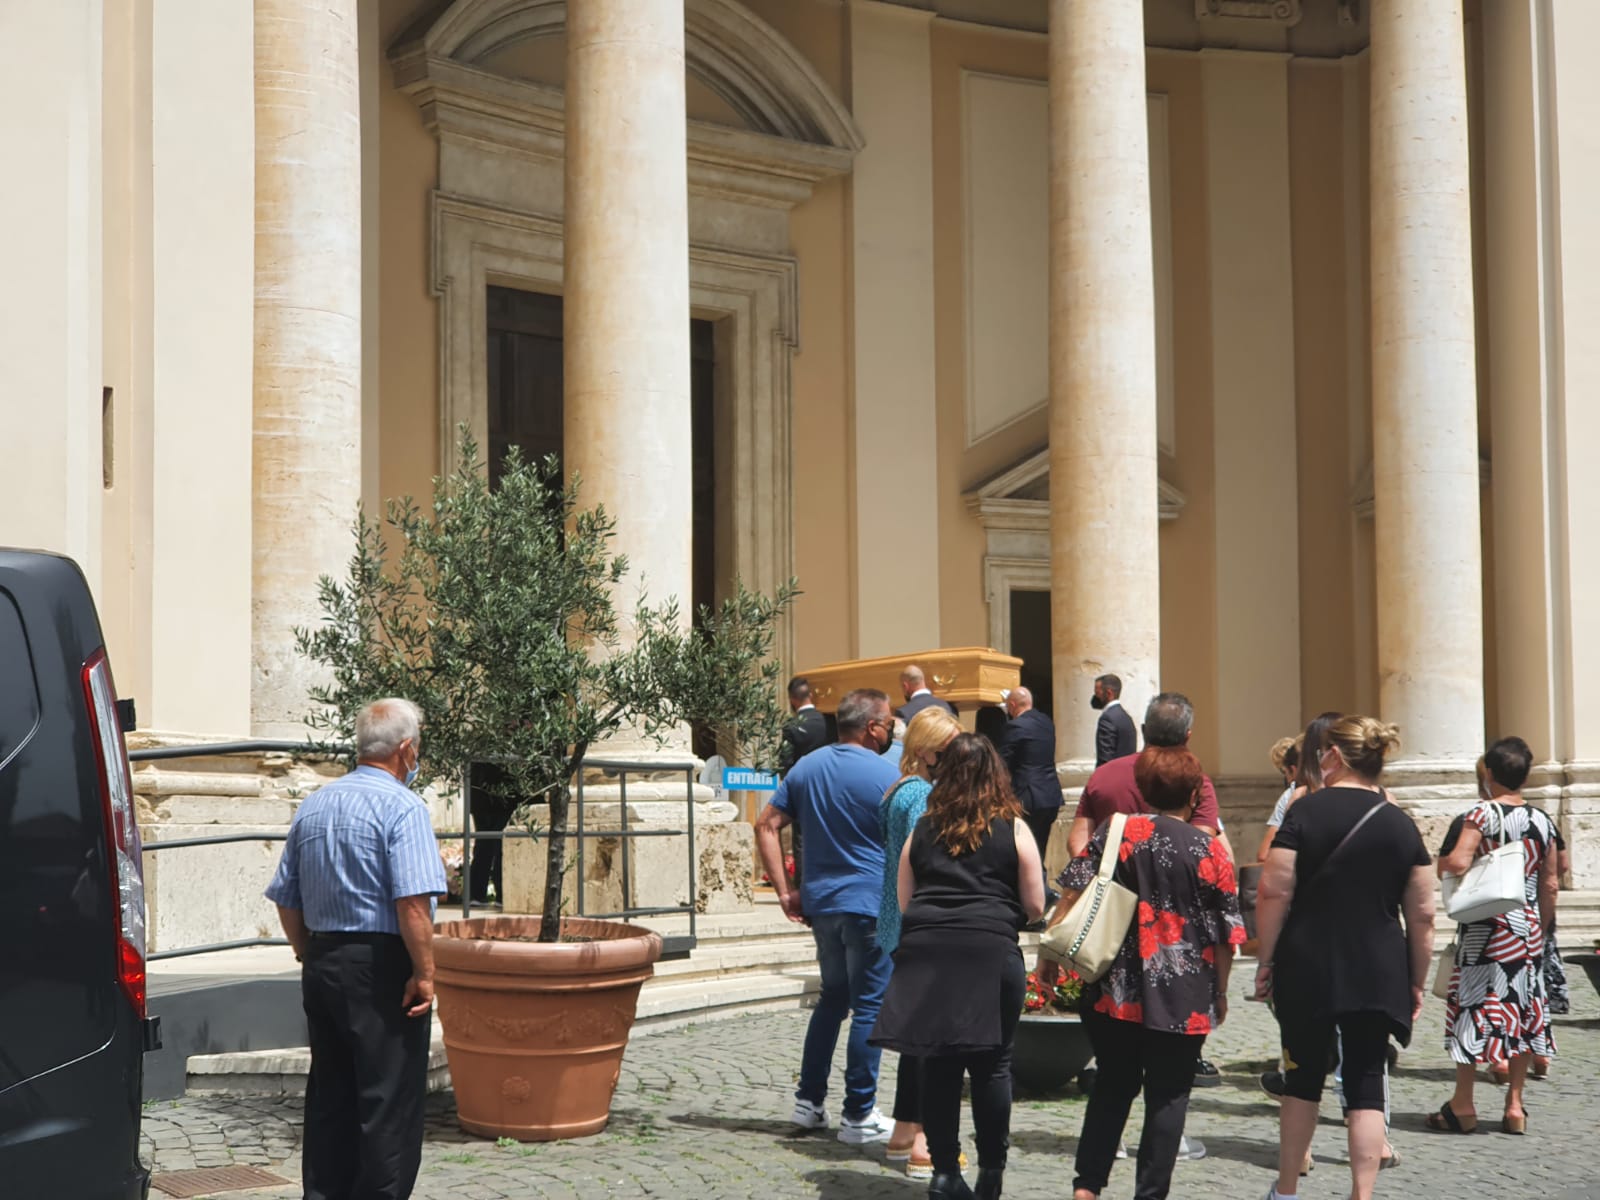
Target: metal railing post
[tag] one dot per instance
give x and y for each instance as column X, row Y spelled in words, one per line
column 581, row 840
column 688, row 780
column 466, row 845
column 627, row 892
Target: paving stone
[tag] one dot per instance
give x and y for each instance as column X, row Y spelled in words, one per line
column 701, row 1112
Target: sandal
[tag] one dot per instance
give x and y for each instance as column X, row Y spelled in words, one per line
column 1541, row 1067
column 1391, row 1159
column 1514, row 1125
column 1446, row 1121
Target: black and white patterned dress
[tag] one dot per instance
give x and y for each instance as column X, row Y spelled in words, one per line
column 1498, row 1007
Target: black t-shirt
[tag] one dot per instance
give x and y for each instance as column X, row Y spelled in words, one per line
column 1342, row 949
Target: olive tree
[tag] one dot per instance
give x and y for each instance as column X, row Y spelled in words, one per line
column 496, row 612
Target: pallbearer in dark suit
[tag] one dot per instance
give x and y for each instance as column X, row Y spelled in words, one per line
column 806, row 731
column 914, row 687
column 1028, row 747
column 1114, row 736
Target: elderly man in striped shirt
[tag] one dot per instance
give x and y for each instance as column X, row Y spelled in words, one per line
column 355, row 891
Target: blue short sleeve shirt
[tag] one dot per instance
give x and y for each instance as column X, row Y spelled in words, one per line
column 354, row 848
column 834, row 795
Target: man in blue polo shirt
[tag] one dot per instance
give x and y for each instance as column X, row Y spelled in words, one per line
column 833, row 795
column 355, row 892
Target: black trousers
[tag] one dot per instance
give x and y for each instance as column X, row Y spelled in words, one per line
column 1131, row 1057
column 490, row 814
column 369, row 1070
column 908, row 1090
column 991, row 1088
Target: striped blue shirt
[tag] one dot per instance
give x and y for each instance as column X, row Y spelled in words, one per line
column 355, row 847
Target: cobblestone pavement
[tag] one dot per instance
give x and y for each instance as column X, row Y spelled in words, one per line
column 701, row 1112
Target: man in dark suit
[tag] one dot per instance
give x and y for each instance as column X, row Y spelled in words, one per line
column 1028, row 747
column 1114, row 736
column 914, row 687
column 806, row 731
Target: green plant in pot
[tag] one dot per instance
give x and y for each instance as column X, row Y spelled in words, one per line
column 495, row 611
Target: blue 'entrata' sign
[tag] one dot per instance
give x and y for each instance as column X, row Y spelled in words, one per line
column 747, row 779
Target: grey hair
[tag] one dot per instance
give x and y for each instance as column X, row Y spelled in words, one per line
column 382, row 725
column 859, row 707
column 1168, row 720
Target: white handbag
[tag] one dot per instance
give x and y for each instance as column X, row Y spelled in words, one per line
column 1444, row 974
column 1088, row 938
column 1492, row 886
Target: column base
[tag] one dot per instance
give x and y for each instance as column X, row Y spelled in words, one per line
column 1433, row 792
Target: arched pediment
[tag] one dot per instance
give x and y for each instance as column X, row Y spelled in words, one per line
column 753, row 68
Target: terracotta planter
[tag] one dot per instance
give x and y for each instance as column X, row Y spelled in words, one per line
column 535, row 1031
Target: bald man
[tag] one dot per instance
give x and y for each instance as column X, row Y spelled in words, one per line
column 914, row 687
column 1028, row 747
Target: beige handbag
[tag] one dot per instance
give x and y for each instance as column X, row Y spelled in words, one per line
column 1444, row 972
column 1088, row 938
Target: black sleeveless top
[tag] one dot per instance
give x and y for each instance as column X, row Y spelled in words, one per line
column 974, row 892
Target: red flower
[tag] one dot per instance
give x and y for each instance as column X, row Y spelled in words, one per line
column 1198, row 1023
column 1236, row 936
column 1146, row 913
column 1216, row 868
column 1169, row 928
column 1138, row 829
column 1209, row 956
column 1147, row 942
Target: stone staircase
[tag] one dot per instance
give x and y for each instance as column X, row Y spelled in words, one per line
column 743, row 962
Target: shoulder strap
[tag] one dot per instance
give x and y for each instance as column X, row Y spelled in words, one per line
column 1109, row 856
column 1345, row 840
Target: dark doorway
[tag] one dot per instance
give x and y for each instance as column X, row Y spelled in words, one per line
column 525, row 410
column 1030, row 641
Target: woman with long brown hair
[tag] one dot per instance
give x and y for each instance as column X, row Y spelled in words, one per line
column 969, row 879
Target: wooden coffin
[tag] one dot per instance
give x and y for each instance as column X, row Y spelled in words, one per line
column 969, row 677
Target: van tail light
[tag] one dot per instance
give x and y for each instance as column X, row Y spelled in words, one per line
column 122, row 831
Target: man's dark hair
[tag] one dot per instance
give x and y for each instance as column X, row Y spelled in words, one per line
column 1168, row 720
column 1112, row 684
column 800, row 689
column 859, row 707
column 1509, row 761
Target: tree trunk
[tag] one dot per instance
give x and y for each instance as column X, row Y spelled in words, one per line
column 555, row 865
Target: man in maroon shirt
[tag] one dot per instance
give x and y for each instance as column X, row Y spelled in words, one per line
column 1168, row 721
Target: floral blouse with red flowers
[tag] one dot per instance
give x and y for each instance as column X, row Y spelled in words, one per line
column 1165, row 976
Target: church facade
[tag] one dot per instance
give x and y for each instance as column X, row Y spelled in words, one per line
column 1238, row 347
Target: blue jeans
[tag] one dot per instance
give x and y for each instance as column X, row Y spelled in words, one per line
column 855, row 972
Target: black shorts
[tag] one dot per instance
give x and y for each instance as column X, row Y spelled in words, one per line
column 1310, row 1049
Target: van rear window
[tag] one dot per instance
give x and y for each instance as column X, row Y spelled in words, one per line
column 19, row 692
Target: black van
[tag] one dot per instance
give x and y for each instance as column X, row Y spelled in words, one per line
column 72, row 963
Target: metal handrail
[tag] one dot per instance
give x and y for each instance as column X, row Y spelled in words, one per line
column 621, row 768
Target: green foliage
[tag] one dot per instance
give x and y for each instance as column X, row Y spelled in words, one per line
column 496, row 614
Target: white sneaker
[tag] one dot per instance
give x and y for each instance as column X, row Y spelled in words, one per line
column 807, row 1115
column 1191, row 1148
column 868, row 1127
column 1122, row 1150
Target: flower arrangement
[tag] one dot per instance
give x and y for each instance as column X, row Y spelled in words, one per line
column 1061, row 998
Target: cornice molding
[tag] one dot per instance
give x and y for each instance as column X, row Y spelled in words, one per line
column 998, row 506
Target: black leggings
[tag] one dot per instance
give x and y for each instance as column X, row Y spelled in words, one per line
column 1309, row 1050
column 908, row 1090
column 1130, row 1058
column 991, row 1088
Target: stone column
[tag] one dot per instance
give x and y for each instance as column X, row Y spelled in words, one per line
column 1105, row 602
column 307, row 460
column 1424, row 392
column 627, row 431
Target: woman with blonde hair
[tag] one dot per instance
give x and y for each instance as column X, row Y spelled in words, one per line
column 929, row 732
column 969, row 879
column 1335, row 959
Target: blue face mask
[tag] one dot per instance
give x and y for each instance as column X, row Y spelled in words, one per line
column 411, row 775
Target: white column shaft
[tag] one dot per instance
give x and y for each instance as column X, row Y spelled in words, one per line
column 1425, row 429
column 307, row 465
column 1105, row 571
